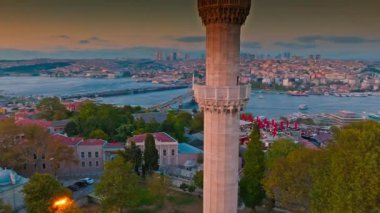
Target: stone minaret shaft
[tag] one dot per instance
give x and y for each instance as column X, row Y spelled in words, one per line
column 221, row 99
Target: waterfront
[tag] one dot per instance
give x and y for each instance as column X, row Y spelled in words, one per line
column 270, row 105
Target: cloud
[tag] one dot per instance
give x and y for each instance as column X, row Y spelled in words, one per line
column 336, row 39
column 66, row 37
column 85, row 41
column 295, row 45
column 93, row 39
column 191, row 39
column 251, row 45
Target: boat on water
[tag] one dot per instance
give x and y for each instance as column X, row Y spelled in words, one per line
column 298, row 93
column 303, row 107
column 374, row 116
column 261, row 97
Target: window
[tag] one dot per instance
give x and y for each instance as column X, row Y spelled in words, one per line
column 97, row 163
column 173, row 152
column 96, row 154
column 25, row 166
column 83, row 164
column 82, row 154
column 43, row 156
column 164, row 152
column 43, row 166
column 90, row 164
column 89, row 154
column 34, row 156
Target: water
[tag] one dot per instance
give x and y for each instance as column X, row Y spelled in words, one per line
column 270, row 105
column 25, row 86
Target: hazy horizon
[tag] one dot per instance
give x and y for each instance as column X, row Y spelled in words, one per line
column 341, row 29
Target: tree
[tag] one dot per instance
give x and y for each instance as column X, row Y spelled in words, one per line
column 119, row 186
column 289, row 180
column 10, row 138
column 280, row 149
column 41, row 191
column 197, row 123
column 198, row 179
column 340, row 178
column 157, row 185
column 124, row 131
column 133, row 154
column 39, row 147
column 98, row 134
column 251, row 189
column 5, row 208
column 349, row 180
column 32, row 145
column 150, row 154
column 52, row 109
column 71, row 128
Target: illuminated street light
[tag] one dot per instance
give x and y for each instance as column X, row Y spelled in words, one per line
column 61, row 204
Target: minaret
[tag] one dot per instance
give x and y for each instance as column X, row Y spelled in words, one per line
column 221, row 99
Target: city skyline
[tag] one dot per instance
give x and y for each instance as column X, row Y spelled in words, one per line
column 136, row 29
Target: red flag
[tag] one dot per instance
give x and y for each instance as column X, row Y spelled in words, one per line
column 243, row 117
column 250, row 118
column 281, row 125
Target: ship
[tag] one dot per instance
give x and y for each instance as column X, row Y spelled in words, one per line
column 303, row 107
column 374, row 116
column 298, row 93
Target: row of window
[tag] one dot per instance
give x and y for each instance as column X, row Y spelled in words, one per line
column 89, row 154
column 173, row 152
column 90, row 164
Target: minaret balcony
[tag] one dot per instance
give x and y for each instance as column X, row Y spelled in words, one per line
column 224, row 98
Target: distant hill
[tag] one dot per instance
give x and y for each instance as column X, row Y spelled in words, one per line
column 34, row 69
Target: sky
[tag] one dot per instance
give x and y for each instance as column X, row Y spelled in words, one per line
column 347, row 29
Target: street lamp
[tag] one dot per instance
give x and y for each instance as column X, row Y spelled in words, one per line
column 61, row 204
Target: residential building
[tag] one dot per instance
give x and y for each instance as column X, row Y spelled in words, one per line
column 166, row 145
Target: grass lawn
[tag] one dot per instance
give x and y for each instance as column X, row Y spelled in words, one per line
column 175, row 202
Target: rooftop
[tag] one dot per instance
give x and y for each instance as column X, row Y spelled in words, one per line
column 184, row 148
column 158, row 136
column 70, row 141
column 93, row 142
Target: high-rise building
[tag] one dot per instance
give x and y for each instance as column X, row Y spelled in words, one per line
column 157, row 55
column 222, row 99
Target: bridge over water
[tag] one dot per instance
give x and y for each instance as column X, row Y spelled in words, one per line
column 124, row 92
column 174, row 101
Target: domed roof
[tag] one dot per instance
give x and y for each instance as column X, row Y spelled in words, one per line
column 8, row 177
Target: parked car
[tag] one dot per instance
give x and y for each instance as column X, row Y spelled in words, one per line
column 87, row 180
column 73, row 188
column 81, row 184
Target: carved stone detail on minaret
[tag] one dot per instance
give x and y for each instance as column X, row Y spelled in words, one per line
column 222, row 99
column 224, row 11
column 221, row 106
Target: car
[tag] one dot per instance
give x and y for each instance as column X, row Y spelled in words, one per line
column 87, row 180
column 73, row 188
column 80, row 184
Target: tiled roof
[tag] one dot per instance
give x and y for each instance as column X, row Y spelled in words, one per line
column 93, row 142
column 158, row 136
column 41, row 123
column 70, row 141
